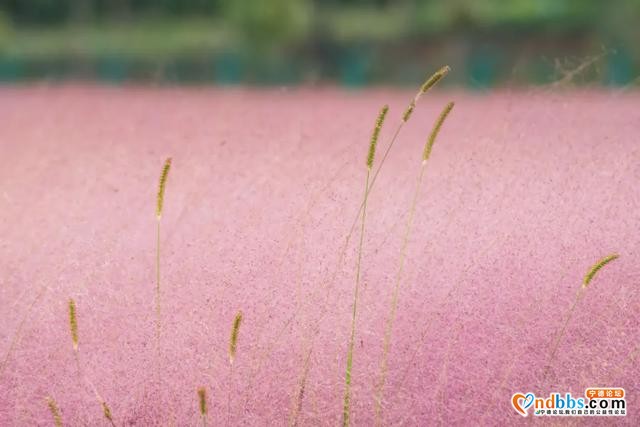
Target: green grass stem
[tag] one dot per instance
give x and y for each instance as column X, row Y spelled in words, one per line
column 403, row 253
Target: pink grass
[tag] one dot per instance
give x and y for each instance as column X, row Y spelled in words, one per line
column 525, row 193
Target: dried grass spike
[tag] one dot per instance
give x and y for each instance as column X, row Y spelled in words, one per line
column 73, row 323
column 579, row 295
column 107, row 412
column 161, row 186
column 202, row 397
column 233, row 342
column 407, row 113
column 55, row 411
column 596, row 267
column 376, row 133
column 434, row 79
column 436, row 129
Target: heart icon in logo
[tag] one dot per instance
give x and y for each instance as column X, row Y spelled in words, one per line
column 522, row 402
column 528, row 400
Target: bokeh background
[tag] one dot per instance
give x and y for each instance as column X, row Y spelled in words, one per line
column 348, row 42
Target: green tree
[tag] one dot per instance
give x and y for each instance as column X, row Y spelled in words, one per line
column 266, row 23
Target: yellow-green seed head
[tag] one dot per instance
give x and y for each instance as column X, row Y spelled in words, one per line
column 376, row 133
column 428, row 84
column 202, row 397
column 161, row 186
column 55, row 412
column 407, row 113
column 436, row 129
column 596, row 267
column 233, row 341
column 107, row 411
column 434, row 79
column 73, row 323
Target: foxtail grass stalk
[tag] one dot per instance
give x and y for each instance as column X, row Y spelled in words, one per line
column 233, row 341
column 73, row 324
column 159, row 206
column 346, row 409
column 579, row 295
column 73, row 328
column 202, row 404
column 55, row 411
column 426, row 86
column 596, row 267
column 106, row 411
column 403, row 252
column 233, row 346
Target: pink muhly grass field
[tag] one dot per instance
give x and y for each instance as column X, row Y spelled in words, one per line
column 524, row 191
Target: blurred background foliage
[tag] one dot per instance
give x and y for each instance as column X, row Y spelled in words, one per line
column 354, row 42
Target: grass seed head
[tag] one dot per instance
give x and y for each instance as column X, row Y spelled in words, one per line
column 55, row 411
column 376, row 133
column 73, row 323
column 161, row 186
column 407, row 113
column 233, row 341
column 428, row 84
column 596, row 267
column 107, row 411
column 434, row 79
column 436, row 129
column 202, row 396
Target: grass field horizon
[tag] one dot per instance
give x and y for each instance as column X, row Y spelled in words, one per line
column 524, row 192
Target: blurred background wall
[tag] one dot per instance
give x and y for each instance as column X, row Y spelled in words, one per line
column 349, row 42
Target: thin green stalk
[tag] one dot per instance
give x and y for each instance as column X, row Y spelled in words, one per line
column 229, row 393
column 158, row 312
column 426, row 86
column 159, row 207
column 347, row 239
column 403, row 252
column 346, row 410
column 394, row 302
column 73, row 329
column 579, row 295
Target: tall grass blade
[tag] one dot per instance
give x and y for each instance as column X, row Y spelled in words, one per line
column 73, row 324
column 159, row 207
column 426, row 86
column 55, row 411
column 403, row 252
column 346, row 409
column 202, row 401
column 579, row 295
column 233, row 341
